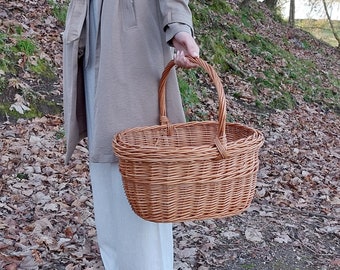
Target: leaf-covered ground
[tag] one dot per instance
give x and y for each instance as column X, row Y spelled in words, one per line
column 46, row 217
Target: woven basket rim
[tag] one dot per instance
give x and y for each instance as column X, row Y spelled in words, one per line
column 119, row 137
column 152, row 153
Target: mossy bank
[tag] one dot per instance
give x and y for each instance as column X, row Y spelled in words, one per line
column 263, row 63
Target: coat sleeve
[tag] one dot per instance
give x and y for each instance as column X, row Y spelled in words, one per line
column 177, row 17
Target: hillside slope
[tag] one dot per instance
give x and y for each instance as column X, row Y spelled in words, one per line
column 262, row 60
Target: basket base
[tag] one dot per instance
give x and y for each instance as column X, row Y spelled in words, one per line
column 219, row 198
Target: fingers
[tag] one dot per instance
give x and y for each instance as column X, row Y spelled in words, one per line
column 186, row 46
column 183, row 41
column 181, row 61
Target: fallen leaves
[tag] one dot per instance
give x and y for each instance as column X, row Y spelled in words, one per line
column 295, row 217
column 253, row 235
column 20, row 105
column 46, row 217
column 45, row 205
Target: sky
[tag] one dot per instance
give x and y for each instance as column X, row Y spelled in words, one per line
column 304, row 11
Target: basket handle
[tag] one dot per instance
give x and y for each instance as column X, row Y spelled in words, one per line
column 221, row 140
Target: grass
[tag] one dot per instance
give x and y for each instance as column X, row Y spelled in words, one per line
column 274, row 86
column 14, row 48
column 189, row 95
column 25, row 46
column 59, row 10
column 42, row 68
column 21, row 54
column 217, row 24
column 320, row 29
column 192, row 92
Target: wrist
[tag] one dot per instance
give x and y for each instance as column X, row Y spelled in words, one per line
column 175, row 28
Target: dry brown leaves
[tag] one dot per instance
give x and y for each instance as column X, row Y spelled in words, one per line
column 46, row 207
column 46, row 215
column 33, row 20
column 34, row 16
column 294, row 220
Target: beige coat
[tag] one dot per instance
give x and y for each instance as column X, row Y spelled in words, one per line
column 132, row 52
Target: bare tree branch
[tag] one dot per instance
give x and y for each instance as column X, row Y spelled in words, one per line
column 331, row 23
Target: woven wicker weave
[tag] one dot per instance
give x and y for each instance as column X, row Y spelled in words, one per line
column 189, row 171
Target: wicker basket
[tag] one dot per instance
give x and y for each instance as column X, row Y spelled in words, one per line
column 189, row 171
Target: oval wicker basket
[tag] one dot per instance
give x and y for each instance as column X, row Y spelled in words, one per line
column 189, row 171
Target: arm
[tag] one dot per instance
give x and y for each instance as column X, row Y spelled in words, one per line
column 175, row 11
column 177, row 24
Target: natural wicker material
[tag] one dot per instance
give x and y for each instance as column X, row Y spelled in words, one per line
column 189, row 171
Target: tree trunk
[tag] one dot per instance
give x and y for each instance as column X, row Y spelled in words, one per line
column 271, row 4
column 331, row 23
column 291, row 19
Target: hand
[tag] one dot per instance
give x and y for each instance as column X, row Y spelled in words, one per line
column 185, row 45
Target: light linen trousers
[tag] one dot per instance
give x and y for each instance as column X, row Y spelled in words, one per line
column 126, row 241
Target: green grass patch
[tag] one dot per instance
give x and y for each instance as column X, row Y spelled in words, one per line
column 22, row 176
column 283, row 102
column 59, row 10
column 20, row 54
column 6, row 54
column 26, row 46
column 13, row 114
column 60, row 134
column 320, row 29
column 219, row 6
column 43, row 69
column 189, row 96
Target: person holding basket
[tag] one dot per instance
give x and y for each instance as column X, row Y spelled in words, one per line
column 114, row 53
